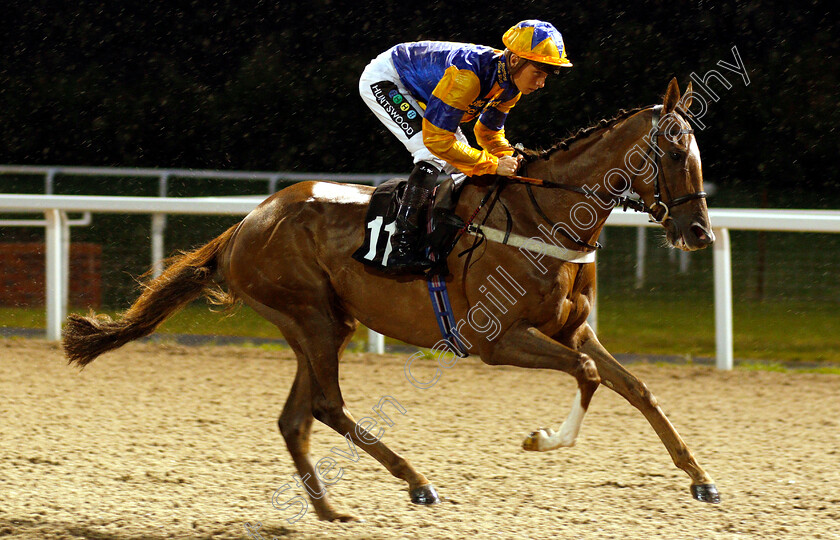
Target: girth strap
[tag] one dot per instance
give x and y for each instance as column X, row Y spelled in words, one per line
column 443, row 311
column 532, row 244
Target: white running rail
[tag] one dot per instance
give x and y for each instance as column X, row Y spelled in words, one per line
column 376, row 342
column 55, row 208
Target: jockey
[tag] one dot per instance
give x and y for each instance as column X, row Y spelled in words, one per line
column 422, row 91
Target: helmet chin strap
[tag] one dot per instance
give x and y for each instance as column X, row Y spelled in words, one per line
column 519, row 65
column 512, row 71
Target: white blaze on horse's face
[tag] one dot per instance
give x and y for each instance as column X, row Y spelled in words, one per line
column 687, row 226
column 338, row 193
column 694, row 151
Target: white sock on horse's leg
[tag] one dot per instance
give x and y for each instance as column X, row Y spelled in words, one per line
column 547, row 439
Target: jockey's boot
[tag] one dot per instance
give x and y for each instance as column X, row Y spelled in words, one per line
column 407, row 256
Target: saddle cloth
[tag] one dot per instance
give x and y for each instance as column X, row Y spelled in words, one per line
column 380, row 224
column 441, row 226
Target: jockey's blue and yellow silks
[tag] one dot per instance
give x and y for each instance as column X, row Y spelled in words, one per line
column 459, row 82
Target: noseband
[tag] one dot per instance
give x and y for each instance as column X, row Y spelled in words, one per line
column 657, row 193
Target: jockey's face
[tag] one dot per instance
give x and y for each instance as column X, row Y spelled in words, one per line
column 529, row 77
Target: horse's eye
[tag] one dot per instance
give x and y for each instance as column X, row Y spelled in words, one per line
column 675, row 155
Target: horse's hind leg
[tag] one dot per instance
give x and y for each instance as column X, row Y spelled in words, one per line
column 328, row 407
column 318, row 338
column 295, row 425
column 616, row 377
column 295, row 421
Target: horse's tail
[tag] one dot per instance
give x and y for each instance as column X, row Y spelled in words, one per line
column 185, row 278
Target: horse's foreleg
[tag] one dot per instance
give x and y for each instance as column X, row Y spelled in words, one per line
column 616, row 377
column 528, row 347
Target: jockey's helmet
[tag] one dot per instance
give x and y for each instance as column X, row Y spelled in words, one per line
column 539, row 42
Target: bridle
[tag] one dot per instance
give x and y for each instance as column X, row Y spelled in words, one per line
column 657, row 159
column 637, row 205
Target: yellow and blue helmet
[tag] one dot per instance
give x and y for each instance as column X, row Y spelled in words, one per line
column 537, row 41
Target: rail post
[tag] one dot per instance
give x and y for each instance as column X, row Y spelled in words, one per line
column 592, row 319
column 641, row 249
column 724, row 336
column 55, row 276
column 65, row 263
column 158, row 230
column 375, row 342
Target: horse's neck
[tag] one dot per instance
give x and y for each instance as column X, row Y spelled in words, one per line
column 587, row 161
column 585, row 165
column 572, row 166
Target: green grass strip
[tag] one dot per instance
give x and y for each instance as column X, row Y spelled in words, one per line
column 777, row 331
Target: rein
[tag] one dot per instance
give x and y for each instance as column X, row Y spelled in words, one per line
column 624, row 202
column 637, row 205
column 618, row 200
column 615, row 200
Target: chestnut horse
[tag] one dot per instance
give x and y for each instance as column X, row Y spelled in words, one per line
column 289, row 260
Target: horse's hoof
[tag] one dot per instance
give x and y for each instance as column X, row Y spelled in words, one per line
column 535, row 441
column 705, row 493
column 424, row 495
column 532, row 442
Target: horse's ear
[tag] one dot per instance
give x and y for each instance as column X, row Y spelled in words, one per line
column 672, row 96
column 688, row 97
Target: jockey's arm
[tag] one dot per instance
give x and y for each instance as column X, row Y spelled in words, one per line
column 490, row 131
column 449, row 102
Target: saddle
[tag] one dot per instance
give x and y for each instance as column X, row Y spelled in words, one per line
column 442, row 225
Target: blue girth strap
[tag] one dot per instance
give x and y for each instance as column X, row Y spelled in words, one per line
column 442, row 307
column 443, row 312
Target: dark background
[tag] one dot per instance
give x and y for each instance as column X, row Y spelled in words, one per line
column 273, row 85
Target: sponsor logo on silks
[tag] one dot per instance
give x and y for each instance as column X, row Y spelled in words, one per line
column 475, row 107
column 398, row 108
column 503, row 74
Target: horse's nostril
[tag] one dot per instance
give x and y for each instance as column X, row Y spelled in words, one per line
column 701, row 234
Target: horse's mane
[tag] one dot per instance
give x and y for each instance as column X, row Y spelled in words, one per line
column 582, row 133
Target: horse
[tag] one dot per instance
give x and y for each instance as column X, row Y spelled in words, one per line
column 290, row 261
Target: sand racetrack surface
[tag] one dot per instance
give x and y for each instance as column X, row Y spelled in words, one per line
column 166, row 441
